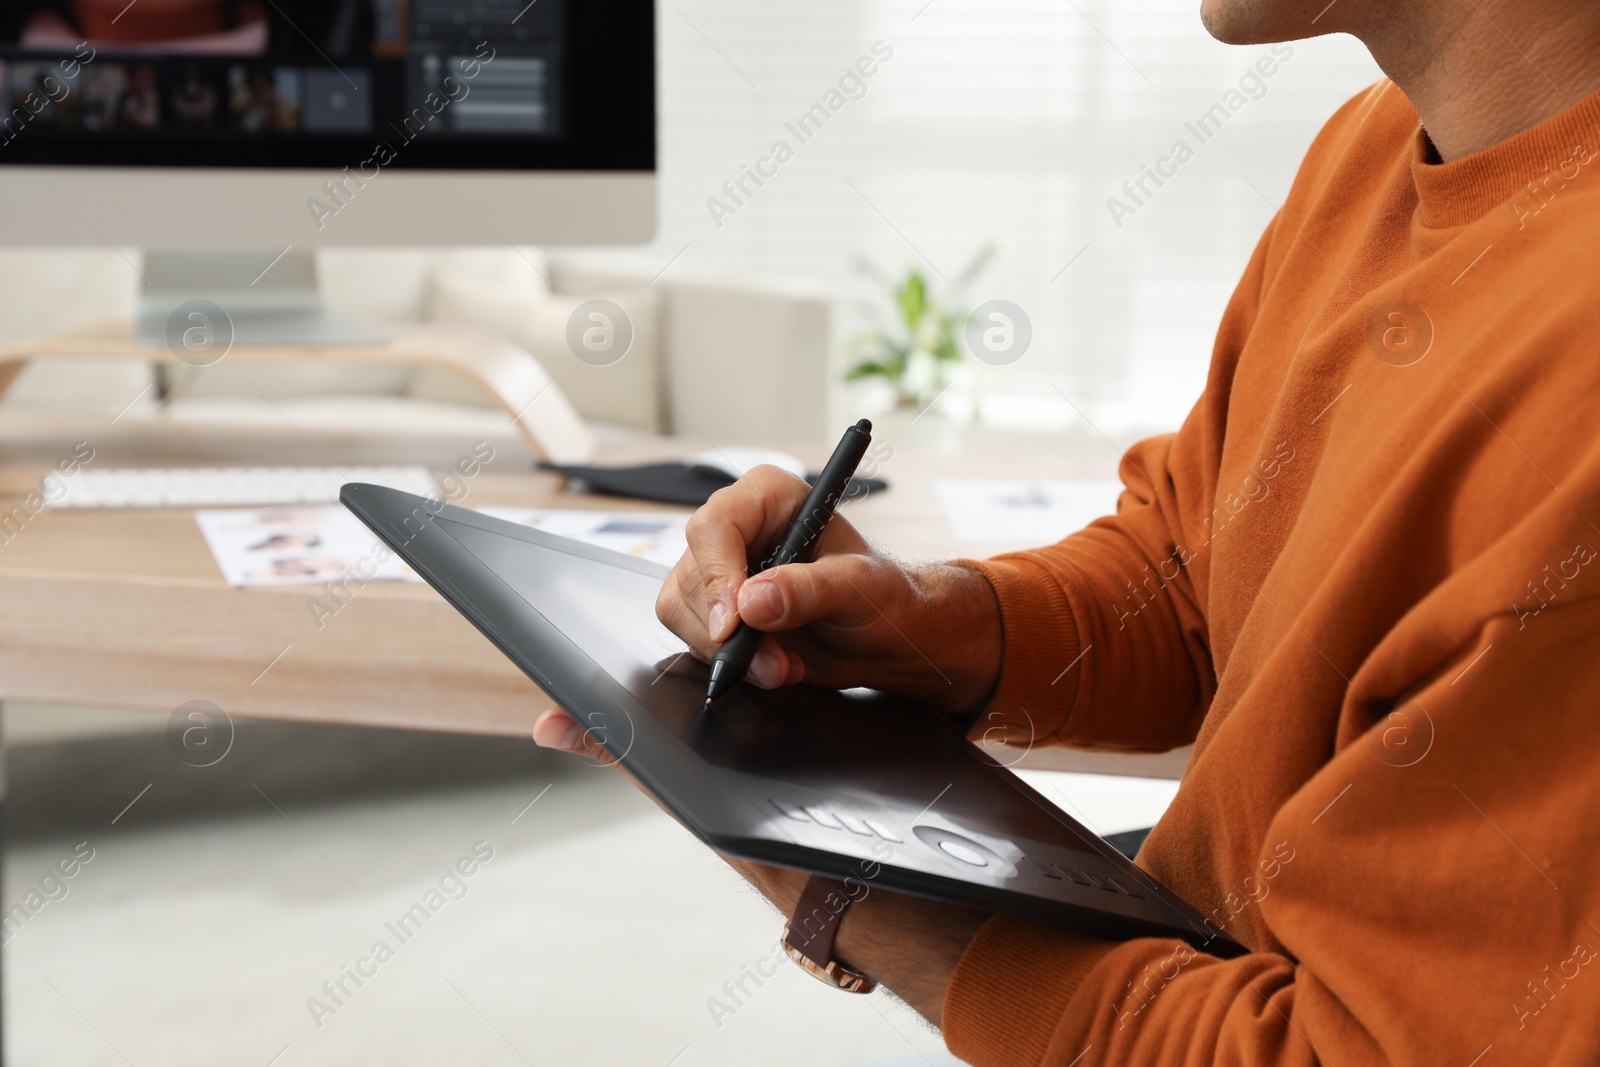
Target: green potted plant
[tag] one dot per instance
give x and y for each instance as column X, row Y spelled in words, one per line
column 916, row 346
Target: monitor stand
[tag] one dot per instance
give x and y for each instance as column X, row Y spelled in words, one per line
column 214, row 300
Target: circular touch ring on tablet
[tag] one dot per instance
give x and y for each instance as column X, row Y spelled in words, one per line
column 964, row 850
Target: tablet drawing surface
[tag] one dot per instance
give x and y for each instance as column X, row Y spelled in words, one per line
column 855, row 783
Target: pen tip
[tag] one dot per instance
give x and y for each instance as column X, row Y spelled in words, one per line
column 865, row 425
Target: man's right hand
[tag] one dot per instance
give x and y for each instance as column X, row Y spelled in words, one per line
column 852, row 617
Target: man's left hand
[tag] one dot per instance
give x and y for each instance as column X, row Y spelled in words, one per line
column 908, row 944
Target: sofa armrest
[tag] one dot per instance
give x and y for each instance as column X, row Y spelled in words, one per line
column 773, row 341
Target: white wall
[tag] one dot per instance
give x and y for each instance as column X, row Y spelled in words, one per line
column 1008, row 121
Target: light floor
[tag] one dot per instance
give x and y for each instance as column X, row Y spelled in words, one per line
column 216, row 906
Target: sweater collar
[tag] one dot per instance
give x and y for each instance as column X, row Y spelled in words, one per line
column 1556, row 151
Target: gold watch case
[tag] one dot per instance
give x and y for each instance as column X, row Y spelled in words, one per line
column 833, row 972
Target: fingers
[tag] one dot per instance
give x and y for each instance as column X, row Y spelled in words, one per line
column 556, row 729
column 707, row 593
column 787, row 598
column 773, row 665
column 748, row 515
column 681, row 607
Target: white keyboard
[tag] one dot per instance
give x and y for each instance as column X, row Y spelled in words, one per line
column 207, row 487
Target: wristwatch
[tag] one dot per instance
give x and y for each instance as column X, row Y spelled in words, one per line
column 808, row 937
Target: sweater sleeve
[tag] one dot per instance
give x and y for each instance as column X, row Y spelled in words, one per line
column 1432, row 897
column 1105, row 635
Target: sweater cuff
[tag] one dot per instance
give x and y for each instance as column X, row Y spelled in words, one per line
column 1011, row 989
column 1040, row 641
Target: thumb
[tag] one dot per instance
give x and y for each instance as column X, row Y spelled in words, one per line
column 794, row 595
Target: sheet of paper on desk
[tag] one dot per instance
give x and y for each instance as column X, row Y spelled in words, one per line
column 1024, row 512
column 296, row 544
column 653, row 535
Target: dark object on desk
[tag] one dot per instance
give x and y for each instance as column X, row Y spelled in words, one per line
column 844, row 784
column 674, row 483
column 1128, row 842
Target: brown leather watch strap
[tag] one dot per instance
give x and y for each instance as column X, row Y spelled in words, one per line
column 815, row 923
column 812, row 928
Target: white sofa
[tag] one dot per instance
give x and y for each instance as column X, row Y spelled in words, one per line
column 699, row 343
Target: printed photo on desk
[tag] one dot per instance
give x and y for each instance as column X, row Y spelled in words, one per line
column 296, row 545
column 309, row 544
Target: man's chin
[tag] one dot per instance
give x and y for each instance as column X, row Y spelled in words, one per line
column 1249, row 21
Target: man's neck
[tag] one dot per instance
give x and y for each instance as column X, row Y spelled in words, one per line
column 1480, row 71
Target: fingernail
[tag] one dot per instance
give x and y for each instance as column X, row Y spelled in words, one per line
column 766, row 670
column 761, row 599
column 717, row 618
column 567, row 739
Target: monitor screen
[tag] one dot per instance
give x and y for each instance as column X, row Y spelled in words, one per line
column 363, row 84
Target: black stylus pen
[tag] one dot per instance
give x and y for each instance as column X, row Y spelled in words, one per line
column 732, row 660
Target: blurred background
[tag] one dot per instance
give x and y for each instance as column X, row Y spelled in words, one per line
column 1006, row 125
column 998, row 151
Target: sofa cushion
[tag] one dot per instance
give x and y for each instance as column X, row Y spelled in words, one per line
column 377, row 285
column 626, row 392
column 283, row 381
column 113, row 387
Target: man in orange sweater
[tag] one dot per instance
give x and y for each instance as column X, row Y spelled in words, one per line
column 1363, row 573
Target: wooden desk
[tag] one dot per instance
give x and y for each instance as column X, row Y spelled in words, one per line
column 125, row 608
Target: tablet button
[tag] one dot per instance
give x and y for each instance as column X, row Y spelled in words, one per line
column 1050, row 872
column 964, row 853
column 853, row 825
column 1097, row 881
column 1078, row 877
column 887, row 835
column 787, row 812
column 1117, row 883
column 964, row 850
column 822, row 818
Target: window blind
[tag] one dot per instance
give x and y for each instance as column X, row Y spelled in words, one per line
column 1008, row 122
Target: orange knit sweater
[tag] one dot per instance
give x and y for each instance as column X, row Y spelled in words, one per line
column 1364, row 580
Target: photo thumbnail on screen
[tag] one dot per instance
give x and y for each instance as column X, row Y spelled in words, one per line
column 225, row 81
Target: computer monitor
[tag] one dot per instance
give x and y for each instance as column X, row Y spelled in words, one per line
column 259, row 130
